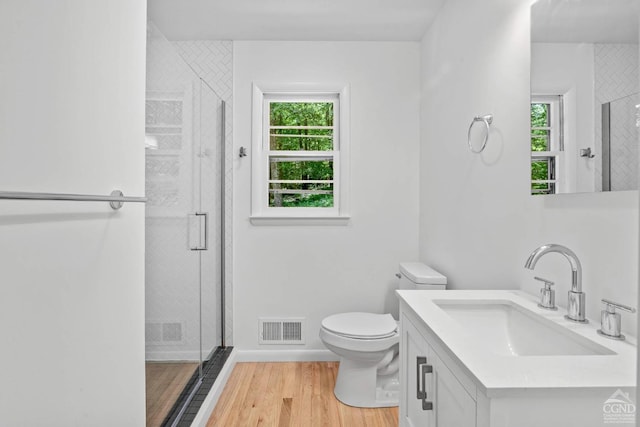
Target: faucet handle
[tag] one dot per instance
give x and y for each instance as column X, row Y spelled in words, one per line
column 611, row 306
column 547, row 283
column 611, row 321
column 547, row 295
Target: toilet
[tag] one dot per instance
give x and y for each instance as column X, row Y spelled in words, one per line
column 367, row 344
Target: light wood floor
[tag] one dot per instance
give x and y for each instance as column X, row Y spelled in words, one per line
column 165, row 382
column 292, row 394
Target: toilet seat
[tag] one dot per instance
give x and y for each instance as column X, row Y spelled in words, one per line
column 364, row 326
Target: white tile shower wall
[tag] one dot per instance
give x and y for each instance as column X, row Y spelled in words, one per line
column 479, row 228
column 314, row 271
column 624, row 143
column 213, row 61
column 616, row 77
column 72, row 293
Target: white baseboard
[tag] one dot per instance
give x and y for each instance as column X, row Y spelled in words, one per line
column 209, row 404
column 286, row 356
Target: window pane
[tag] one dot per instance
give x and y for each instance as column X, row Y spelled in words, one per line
column 301, row 113
column 540, row 141
column 300, row 183
column 301, row 139
column 540, row 115
column 296, row 170
column 319, row 195
column 539, row 169
column 543, row 188
column 543, row 169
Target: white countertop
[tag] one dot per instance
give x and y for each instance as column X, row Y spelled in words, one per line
column 497, row 375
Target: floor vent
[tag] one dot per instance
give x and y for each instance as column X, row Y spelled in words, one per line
column 281, row 331
column 163, row 333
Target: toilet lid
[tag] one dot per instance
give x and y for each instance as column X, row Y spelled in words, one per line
column 361, row 325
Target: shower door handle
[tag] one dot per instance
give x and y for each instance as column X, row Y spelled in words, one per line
column 204, row 247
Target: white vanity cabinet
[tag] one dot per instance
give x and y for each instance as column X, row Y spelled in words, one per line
column 449, row 378
column 431, row 394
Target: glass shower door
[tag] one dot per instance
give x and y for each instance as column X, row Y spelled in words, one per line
column 183, row 229
column 620, row 144
column 172, row 269
column 211, row 201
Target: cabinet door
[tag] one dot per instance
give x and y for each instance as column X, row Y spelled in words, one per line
column 413, row 350
column 452, row 405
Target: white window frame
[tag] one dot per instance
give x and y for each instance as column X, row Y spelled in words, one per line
column 556, row 139
column 263, row 93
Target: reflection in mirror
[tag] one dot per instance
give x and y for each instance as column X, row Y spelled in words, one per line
column 585, row 86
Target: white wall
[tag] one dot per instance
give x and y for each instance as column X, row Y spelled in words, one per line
column 72, row 293
column 478, row 222
column 568, row 69
column 314, row 271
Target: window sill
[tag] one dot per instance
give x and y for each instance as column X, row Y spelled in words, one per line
column 300, row 220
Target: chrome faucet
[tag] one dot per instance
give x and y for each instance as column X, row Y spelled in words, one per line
column 576, row 298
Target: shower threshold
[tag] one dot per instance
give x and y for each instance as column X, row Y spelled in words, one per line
column 188, row 404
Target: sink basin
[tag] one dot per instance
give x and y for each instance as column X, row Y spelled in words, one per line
column 508, row 329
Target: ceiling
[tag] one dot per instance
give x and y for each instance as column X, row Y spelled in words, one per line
column 585, row 21
column 374, row 20
column 568, row 21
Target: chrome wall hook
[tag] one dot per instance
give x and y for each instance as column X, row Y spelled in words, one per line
column 586, row 152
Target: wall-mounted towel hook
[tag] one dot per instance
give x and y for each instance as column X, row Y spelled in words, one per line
column 487, row 119
column 586, row 152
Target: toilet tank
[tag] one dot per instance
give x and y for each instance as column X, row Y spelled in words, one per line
column 416, row 275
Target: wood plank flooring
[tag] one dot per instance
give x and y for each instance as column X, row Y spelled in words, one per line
column 165, row 382
column 291, row 394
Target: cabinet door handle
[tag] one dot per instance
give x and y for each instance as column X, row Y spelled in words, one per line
column 420, row 391
column 426, row 369
column 422, row 369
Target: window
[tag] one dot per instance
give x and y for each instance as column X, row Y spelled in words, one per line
column 301, row 139
column 547, row 147
column 300, row 152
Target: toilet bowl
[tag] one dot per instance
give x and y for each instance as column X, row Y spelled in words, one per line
column 367, row 345
column 367, row 376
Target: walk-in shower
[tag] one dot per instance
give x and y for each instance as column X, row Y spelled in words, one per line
column 185, row 242
column 620, row 136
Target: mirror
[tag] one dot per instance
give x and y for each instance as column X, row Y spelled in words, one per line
column 585, row 96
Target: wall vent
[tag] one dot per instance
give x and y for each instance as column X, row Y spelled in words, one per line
column 281, row 331
column 163, row 333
